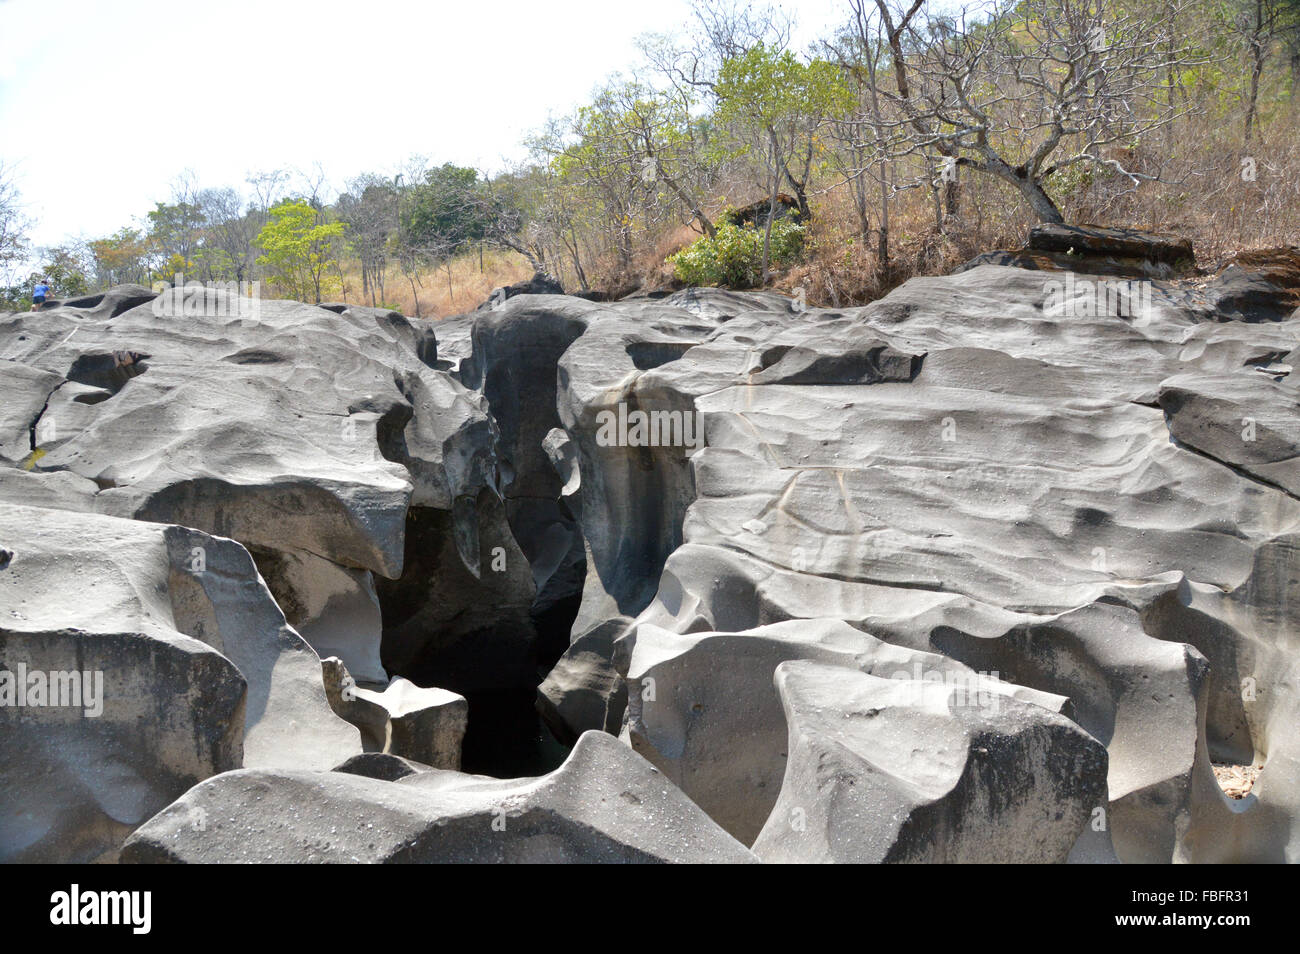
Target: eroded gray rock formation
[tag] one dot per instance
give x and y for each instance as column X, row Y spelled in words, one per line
column 404, row 720
column 887, row 770
column 249, row 476
column 175, row 664
column 703, row 706
column 605, row 804
column 994, row 467
column 753, row 538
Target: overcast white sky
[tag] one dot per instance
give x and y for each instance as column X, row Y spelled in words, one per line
column 104, row 104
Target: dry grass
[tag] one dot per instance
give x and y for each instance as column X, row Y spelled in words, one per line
column 443, row 291
column 1227, row 196
column 1205, row 197
column 1208, row 195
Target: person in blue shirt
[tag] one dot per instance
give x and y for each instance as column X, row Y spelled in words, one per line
column 39, row 294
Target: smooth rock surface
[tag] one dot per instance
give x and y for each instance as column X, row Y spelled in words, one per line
column 322, row 438
column 136, row 706
column 604, row 804
column 885, row 770
column 704, row 709
column 1030, row 485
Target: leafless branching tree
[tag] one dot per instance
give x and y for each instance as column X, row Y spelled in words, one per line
column 1025, row 91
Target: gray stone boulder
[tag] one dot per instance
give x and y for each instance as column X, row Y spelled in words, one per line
column 424, row 725
column 322, row 438
column 604, row 804
column 1026, row 487
column 1143, row 697
column 334, row 608
column 1165, row 247
column 703, row 707
column 24, row 392
column 584, row 689
column 539, row 284
column 381, row 765
column 1092, row 249
column 404, row 720
column 885, row 770
column 199, row 674
column 1009, row 465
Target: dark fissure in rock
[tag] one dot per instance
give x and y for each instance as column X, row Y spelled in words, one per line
column 505, row 737
column 487, row 638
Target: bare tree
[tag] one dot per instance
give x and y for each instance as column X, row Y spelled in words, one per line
column 871, row 137
column 720, row 30
column 229, row 232
column 315, row 187
column 897, row 27
column 369, row 207
column 557, row 205
column 13, row 221
column 661, row 134
column 268, row 188
column 1257, row 26
column 1022, row 91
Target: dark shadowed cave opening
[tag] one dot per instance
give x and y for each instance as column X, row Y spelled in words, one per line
column 444, row 627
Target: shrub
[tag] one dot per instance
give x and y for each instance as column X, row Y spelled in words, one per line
column 734, row 258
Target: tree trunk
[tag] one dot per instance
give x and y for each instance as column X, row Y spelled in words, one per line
column 1039, row 200
column 1257, row 66
column 416, row 294
column 698, row 213
column 534, row 259
column 771, row 210
column 574, row 253
column 1029, row 188
column 952, row 195
column 864, row 217
column 767, row 232
column 938, row 207
column 882, row 248
column 800, row 196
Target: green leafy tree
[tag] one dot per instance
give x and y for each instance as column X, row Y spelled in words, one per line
column 651, row 134
column 444, row 214
column 13, row 223
column 596, row 159
column 175, row 231
column 734, row 256
column 369, row 209
column 523, row 210
column 226, row 251
column 1262, row 30
column 438, row 218
column 299, row 249
column 65, row 268
column 782, row 102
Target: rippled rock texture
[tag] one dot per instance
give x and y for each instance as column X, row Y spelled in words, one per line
column 996, row 568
